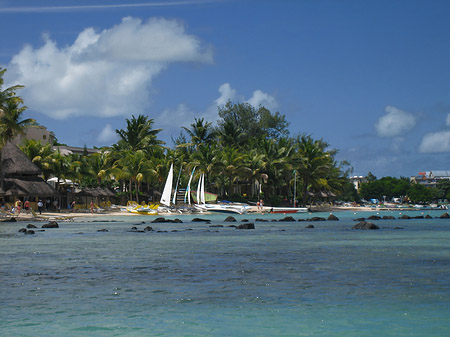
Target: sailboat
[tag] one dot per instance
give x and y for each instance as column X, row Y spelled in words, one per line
column 220, row 208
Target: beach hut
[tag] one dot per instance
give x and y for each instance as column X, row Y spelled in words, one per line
column 21, row 178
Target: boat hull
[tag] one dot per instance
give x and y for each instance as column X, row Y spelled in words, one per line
column 284, row 210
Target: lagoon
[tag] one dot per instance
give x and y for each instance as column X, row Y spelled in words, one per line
column 191, row 279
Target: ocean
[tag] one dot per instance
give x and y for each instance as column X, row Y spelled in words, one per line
column 200, row 279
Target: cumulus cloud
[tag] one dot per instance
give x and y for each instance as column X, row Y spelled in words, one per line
column 261, row 98
column 107, row 73
column 226, row 94
column 394, row 123
column 107, row 135
column 435, row 142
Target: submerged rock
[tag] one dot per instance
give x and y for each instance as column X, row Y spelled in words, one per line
column 230, row 219
column 317, row 218
column 310, row 226
column 248, row 225
column 29, row 231
column 404, row 216
column 148, row 229
column 105, row 230
column 31, row 226
column 51, row 224
column 365, row 225
column 22, row 230
column 445, row 216
column 388, row 217
column 261, row 220
column 200, row 220
column 374, row 217
column 287, row 219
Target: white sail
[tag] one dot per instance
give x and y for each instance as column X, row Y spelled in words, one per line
column 202, row 190
column 198, row 189
column 174, row 200
column 165, row 198
column 188, row 188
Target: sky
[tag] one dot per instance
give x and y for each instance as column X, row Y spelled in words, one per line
column 371, row 78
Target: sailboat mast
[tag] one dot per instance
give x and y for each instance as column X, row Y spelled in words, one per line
column 174, row 200
column 165, row 198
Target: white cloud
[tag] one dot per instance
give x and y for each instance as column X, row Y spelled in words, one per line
column 226, row 94
column 182, row 115
column 107, row 135
column 435, row 142
column 394, row 123
column 261, row 98
column 103, row 74
column 448, row 120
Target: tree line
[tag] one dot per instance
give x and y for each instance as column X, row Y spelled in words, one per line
column 248, row 155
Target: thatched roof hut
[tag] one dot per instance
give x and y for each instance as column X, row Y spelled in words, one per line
column 16, row 163
column 21, row 176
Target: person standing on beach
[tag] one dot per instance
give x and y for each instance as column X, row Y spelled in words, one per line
column 26, row 205
column 40, row 205
column 92, row 206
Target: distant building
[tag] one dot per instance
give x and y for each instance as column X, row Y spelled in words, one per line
column 35, row 132
column 357, row 181
column 66, row 150
column 430, row 178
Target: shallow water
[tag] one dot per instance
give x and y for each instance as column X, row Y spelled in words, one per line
column 280, row 279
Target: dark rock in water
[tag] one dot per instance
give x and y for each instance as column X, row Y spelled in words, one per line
column 300, row 220
column 105, row 230
column 274, row 220
column 31, row 226
column 148, row 229
column 404, row 216
column 333, row 217
column 287, row 219
column 249, row 225
column 418, row 217
column 22, row 230
column 445, row 216
column 177, row 221
column 232, row 226
column 398, row 227
column 51, row 224
column 230, row 219
column 200, row 220
column 388, row 217
column 244, row 220
column 159, row 220
column 216, row 226
column 317, row 218
column 261, row 220
column 374, row 217
column 174, row 230
column 29, row 231
column 310, row 226
column 365, row 225
column 360, row 219
column 161, row 231
column 9, row 220
column 428, row 216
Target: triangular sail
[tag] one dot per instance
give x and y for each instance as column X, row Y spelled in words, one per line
column 188, row 188
column 198, row 189
column 165, row 198
column 202, row 190
column 174, row 200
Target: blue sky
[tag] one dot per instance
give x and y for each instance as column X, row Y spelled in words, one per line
column 369, row 77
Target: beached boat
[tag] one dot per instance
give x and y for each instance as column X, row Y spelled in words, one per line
column 288, row 210
column 202, row 206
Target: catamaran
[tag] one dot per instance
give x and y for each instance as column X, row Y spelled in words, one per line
column 220, row 208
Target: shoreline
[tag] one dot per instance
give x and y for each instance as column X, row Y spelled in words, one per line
column 70, row 216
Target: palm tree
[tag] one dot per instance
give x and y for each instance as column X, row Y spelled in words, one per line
column 201, row 133
column 231, row 165
column 11, row 109
column 139, row 134
column 314, row 164
column 39, row 154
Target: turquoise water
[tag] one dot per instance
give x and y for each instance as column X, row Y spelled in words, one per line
column 280, row 279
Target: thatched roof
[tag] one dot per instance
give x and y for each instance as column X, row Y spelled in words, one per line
column 96, row 192
column 15, row 163
column 28, row 186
